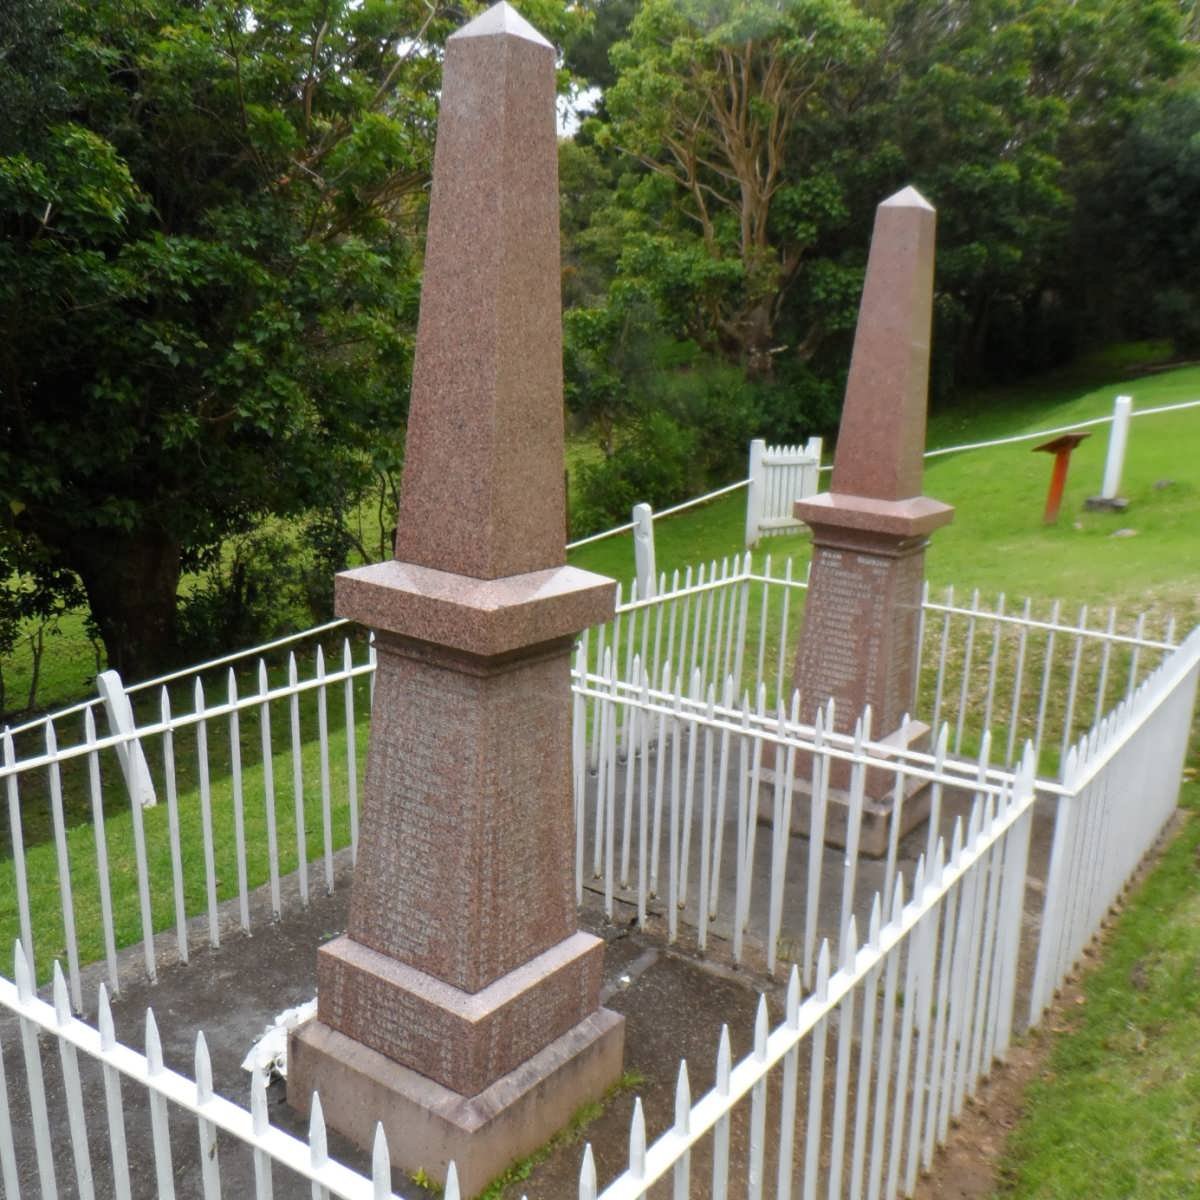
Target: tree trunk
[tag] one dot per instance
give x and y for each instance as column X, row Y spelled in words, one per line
column 131, row 584
column 758, row 329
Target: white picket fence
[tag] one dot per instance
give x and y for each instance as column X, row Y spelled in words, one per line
column 1024, row 673
column 946, row 967
column 928, row 996
column 1121, row 784
column 168, row 1092
column 262, row 781
column 677, row 702
column 779, row 475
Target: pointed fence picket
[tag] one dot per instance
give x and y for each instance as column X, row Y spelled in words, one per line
column 717, row 635
column 1122, row 783
column 103, row 869
column 682, row 712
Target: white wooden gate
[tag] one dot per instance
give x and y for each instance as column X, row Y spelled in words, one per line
column 779, row 475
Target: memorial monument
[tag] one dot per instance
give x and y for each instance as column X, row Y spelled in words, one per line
column 461, row 1007
column 859, row 641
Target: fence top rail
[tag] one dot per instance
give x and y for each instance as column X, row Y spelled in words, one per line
column 666, row 512
column 223, row 708
column 1013, row 617
column 1048, row 433
column 785, row 732
column 1051, row 626
column 186, row 672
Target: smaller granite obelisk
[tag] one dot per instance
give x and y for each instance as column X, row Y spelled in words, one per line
column 461, row 1008
column 858, row 643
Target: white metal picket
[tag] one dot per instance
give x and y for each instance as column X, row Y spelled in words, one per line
column 1122, row 783
column 720, row 628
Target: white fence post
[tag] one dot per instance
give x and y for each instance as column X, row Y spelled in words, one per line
column 810, row 473
column 643, row 550
column 1117, row 438
column 129, row 754
column 754, row 493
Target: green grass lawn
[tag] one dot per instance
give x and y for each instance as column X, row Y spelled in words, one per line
column 41, row 868
column 1115, row 1114
column 1132, row 1059
column 997, row 541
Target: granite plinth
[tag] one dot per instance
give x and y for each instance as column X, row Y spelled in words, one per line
column 463, row 1040
column 879, row 792
column 484, row 617
column 466, row 836
column 428, row 1126
column 878, row 815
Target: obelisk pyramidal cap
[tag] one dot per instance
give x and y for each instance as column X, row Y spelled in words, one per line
column 859, row 641
column 461, row 1007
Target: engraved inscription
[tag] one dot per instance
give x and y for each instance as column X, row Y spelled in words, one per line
column 465, row 831
column 859, row 640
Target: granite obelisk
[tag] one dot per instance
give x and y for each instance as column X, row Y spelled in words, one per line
column 461, row 1007
column 858, row 643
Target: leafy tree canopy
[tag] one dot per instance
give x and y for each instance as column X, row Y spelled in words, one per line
column 208, row 274
column 748, row 143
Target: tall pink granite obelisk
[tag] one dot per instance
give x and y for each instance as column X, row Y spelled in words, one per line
column 461, row 1008
column 858, row 643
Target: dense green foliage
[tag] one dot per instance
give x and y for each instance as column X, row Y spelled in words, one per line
column 210, row 219
column 203, row 221
column 722, row 196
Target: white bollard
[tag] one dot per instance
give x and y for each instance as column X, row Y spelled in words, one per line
column 129, row 754
column 1118, row 437
column 643, row 551
column 810, row 477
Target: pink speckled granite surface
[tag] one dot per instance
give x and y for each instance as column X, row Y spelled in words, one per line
column 881, row 438
column 482, row 491
column 462, row 963
column 484, row 617
column 465, row 848
column 463, row 1040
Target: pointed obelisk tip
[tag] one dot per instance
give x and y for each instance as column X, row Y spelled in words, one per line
column 907, row 197
column 501, row 18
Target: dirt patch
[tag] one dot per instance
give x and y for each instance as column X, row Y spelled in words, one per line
column 968, row 1166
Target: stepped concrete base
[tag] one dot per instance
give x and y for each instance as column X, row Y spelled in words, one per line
column 878, row 796
column 877, row 815
column 459, row 1039
column 428, row 1126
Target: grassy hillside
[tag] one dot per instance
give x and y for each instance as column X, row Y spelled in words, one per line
column 1148, row 555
